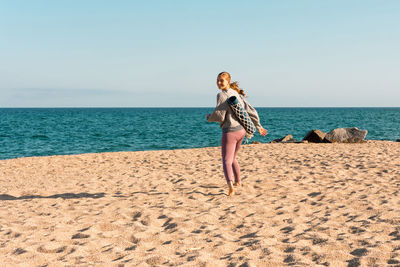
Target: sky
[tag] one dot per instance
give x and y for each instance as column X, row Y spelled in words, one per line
column 289, row 53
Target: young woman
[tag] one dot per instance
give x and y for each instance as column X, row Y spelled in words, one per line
column 233, row 132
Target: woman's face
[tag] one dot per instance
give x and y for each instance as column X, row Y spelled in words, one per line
column 222, row 83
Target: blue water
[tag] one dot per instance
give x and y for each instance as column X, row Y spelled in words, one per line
column 59, row 131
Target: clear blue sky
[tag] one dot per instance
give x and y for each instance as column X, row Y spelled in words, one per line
column 92, row 53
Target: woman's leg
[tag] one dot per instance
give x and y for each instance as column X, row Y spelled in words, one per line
column 231, row 143
column 235, row 164
column 228, row 151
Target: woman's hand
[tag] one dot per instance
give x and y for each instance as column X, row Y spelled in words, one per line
column 263, row 131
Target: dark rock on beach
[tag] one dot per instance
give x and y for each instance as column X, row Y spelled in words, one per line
column 315, row 136
column 398, row 140
column 346, row 135
column 287, row 138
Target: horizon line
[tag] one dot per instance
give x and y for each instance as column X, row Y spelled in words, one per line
column 204, row 107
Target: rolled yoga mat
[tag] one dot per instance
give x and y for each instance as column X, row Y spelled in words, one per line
column 242, row 116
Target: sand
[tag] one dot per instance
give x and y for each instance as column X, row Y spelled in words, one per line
column 300, row 204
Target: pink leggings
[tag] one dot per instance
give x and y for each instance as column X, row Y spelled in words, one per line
column 230, row 147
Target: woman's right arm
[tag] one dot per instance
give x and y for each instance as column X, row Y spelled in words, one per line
column 219, row 112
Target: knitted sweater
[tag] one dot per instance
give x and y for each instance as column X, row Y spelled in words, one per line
column 225, row 116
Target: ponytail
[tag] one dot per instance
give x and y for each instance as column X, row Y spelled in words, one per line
column 235, row 86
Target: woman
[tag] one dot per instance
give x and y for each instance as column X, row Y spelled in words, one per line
column 233, row 132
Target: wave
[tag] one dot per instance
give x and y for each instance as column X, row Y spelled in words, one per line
column 40, row 136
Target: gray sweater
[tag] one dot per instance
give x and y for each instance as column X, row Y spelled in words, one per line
column 225, row 116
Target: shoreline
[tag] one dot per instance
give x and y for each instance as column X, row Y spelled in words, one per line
column 300, row 204
column 367, row 141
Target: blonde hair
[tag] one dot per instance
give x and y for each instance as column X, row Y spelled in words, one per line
column 233, row 85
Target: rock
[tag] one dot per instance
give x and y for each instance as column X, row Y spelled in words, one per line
column 256, row 142
column 293, row 141
column 346, row 135
column 315, row 136
column 398, row 140
column 287, row 138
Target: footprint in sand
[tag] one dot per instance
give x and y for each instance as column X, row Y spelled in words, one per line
column 79, row 236
column 359, row 252
column 155, row 260
column 169, row 226
column 51, row 248
column 19, row 251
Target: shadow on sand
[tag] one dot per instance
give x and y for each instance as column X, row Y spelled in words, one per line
column 64, row 196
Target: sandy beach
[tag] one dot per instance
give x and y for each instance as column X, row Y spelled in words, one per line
column 300, row 205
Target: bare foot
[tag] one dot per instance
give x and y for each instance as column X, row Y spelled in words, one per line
column 237, row 184
column 231, row 189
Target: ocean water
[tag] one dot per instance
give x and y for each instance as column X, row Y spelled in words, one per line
column 26, row 132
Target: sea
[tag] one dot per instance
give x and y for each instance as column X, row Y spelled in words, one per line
column 28, row 132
